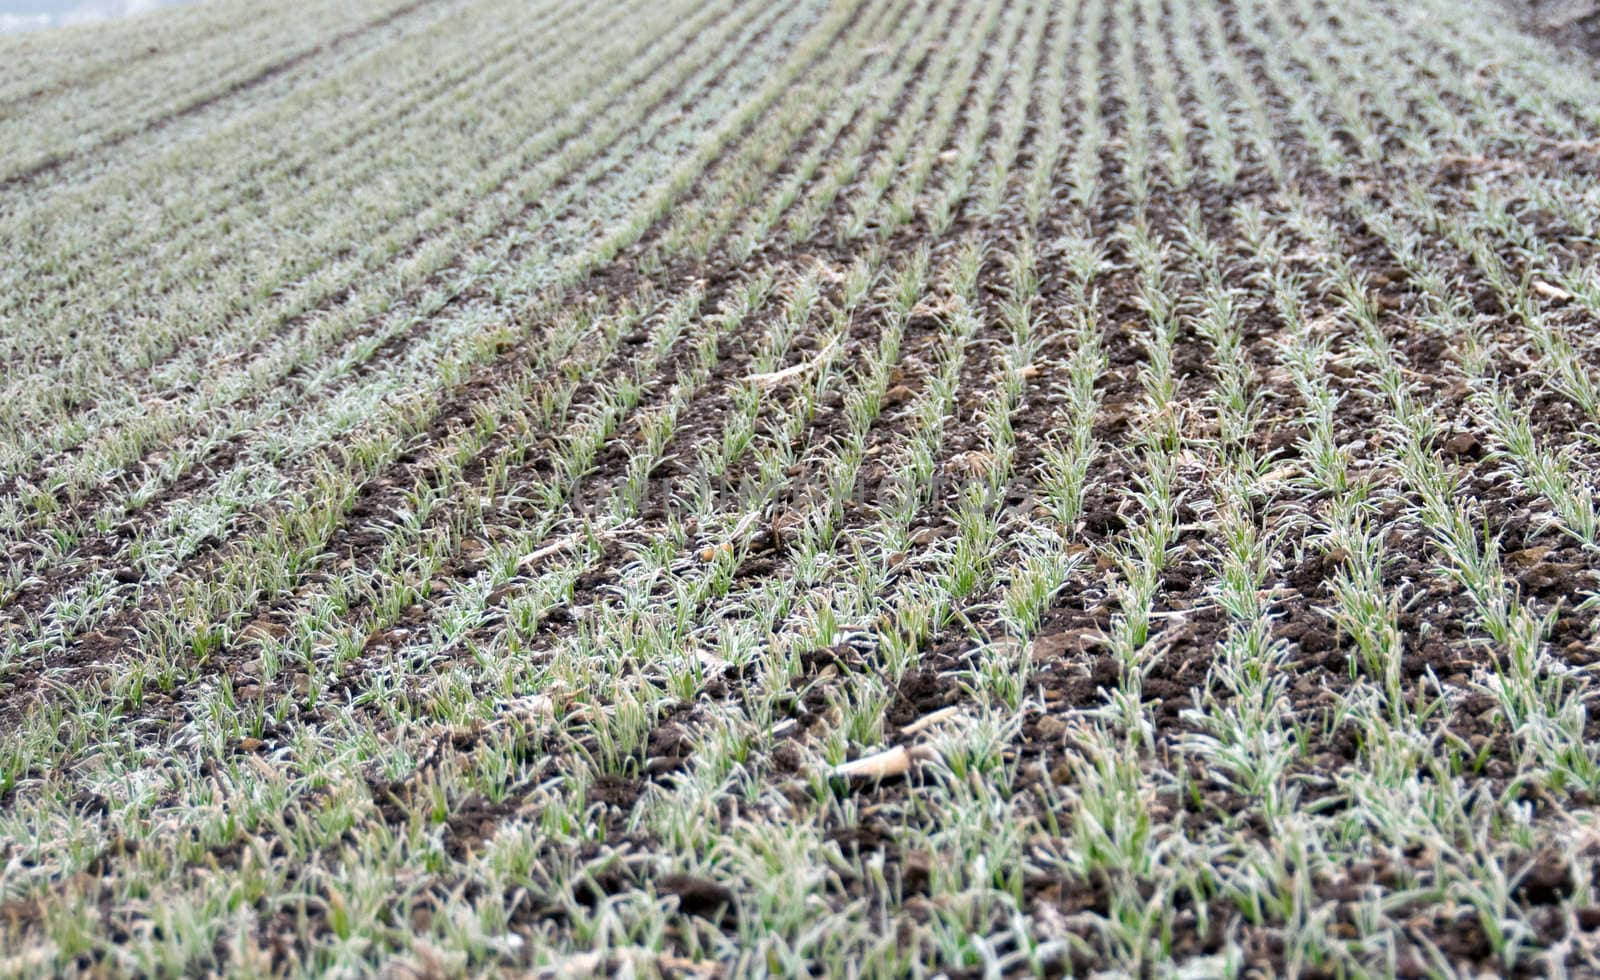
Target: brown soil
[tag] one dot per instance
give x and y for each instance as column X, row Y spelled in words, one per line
column 1571, row 24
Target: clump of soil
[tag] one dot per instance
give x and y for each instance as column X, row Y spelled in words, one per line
column 1569, row 23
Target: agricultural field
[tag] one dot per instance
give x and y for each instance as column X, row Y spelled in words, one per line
column 834, row 488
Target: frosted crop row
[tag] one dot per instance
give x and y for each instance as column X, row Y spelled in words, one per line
column 880, row 487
